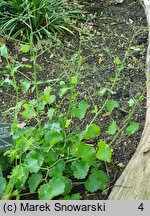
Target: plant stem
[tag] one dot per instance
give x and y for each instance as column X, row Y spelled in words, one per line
column 34, row 55
column 26, row 194
column 36, row 88
column 119, row 69
column 125, row 123
column 10, row 66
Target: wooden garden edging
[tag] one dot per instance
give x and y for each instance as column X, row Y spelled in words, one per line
column 134, row 183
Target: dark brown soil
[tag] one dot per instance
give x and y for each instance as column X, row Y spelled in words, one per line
column 113, row 31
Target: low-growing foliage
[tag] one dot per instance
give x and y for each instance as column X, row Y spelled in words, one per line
column 50, row 159
column 53, row 150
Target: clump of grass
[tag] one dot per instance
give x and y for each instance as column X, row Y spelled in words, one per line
column 42, row 17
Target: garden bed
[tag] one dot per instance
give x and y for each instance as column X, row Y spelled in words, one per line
column 113, row 38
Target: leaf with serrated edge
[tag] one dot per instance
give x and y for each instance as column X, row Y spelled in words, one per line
column 25, row 85
column 46, row 96
column 112, row 128
column 76, row 196
column 104, row 152
column 80, row 111
column 68, row 184
column 20, row 175
column 34, row 161
column 92, row 131
column 58, row 169
column 34, row 180
column 132, row 128
column 111, row 105
column 53, row 137
column 50, row 113
column 29, row 111
column 97, row 181
column 52, row 189
column 80, row 169
column 86, row 152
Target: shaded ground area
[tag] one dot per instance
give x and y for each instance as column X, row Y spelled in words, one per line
column 114, row 31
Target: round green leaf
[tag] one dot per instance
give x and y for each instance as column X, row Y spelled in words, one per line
column 97, row 181
column 19, row 175
column 80, row 169
column 111, row 105
column 104, row 152
column 25, row 85
column 102, row 91
column 34, row 161
column 63, row 91
column 41, row 105
column 80, row 111
column 29, row 111
column 92, row 131
column 53, row 137
column 58, row 169
column 52, row 99
column 68, row 184
column 86, row 152
column 112, row 128
column 25, row 48
column 132, row 128
column 52, row 189
column 51, row 157
column 34, row 180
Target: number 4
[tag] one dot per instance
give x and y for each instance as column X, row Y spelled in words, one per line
column 141, row 207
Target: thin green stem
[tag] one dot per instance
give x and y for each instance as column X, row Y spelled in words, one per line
column 119, row 69
column 10, row 66
column 125, row 123
column 34, row 55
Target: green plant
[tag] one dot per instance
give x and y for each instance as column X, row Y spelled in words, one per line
column 54, row 153
column 19, row 18
column 55, row 157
